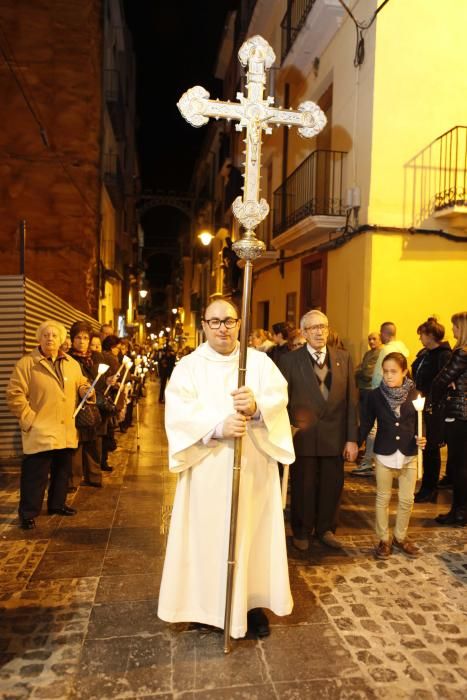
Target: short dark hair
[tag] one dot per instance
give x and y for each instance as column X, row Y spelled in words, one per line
column 110, row 342
column 399, row 358
column 283, row 328
column 432, row 327
column 80, row 327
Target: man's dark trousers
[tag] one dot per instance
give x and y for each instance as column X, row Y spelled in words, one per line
column 34, row 475
column 317, row 484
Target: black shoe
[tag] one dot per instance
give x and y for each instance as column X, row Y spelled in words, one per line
column 123, row 428
column 62, row 511
column 446, row 518
column 91, row 483
column 258, row 623
column 445, row 483
column 27, row 523
column 107, row 468
column 426, row 496
column 72, row 489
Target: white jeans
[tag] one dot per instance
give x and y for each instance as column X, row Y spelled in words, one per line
column 407, row 479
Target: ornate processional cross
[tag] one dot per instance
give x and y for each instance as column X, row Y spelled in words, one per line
column 255, row 114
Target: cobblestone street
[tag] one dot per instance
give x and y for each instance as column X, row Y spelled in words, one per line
column 78, row 602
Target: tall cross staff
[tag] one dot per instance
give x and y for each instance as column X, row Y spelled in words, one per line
column 254, row 114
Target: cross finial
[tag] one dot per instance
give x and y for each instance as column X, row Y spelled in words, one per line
column 254, row 114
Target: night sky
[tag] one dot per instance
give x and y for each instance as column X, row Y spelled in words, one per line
column 176, row 45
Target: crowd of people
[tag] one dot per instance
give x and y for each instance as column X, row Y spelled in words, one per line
column 72, row 395
column 302, row 404
column 334, row 412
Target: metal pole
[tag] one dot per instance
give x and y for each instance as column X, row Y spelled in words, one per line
column 137, row 424
column 244, row 331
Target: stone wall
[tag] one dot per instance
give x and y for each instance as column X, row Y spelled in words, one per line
column 55, row 49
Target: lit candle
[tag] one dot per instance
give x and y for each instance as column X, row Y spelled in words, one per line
column 419, row 405
column 102, row 369
column 126, row 360
column 127, row 369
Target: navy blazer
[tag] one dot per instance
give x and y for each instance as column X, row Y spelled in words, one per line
column 324, row 425
column 393, row 433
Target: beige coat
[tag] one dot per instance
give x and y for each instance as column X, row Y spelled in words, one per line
column 43, row 408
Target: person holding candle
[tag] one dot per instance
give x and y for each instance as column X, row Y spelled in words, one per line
column 42, row 393
column 396, row 446
column 428, row 363
column 86, row 462
column 449, row 389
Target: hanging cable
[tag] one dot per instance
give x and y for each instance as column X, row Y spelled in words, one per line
column 360, row 28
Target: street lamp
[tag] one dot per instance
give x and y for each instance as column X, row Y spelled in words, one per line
column 205, row 237
column 143, row 293
column 175, row 311
column 148, row 324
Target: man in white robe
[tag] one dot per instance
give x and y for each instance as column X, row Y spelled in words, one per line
column 204, row 413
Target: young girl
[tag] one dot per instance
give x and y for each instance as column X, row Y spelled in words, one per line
column 395, row 451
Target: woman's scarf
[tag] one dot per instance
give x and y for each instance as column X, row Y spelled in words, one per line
column 396, row 395
column 84, row 358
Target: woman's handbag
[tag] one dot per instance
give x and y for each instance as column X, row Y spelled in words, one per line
column 88, row 417
column 106, row 406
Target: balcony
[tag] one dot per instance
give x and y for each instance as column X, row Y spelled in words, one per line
column 437, row 181
column 308, row 23
column 310, row 199
column 115, row 102
column 113, row 179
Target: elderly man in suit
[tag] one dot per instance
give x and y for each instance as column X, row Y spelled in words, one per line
column 323, row 409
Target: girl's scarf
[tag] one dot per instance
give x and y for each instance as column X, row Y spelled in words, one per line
column 396, row 395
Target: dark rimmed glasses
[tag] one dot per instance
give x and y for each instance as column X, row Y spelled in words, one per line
column 216, row 323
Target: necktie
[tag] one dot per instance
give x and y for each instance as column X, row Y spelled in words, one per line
column 317, row 357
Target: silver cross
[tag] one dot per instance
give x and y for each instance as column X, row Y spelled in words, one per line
column 254, row 114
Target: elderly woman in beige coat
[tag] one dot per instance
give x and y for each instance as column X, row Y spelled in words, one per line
column 43, row 392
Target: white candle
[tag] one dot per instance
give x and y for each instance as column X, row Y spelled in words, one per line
column 102, row 369
column 419, row 405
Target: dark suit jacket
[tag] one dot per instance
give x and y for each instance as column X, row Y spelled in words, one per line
column 324, row 426
column 393, row 433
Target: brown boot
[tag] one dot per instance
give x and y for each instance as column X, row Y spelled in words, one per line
column 383, row 550
column 409, row 548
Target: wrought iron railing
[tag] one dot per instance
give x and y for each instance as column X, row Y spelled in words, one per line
column 439, row 175
column 313, row 189
column 113, row 178
column 293, row 20
column 115, row 101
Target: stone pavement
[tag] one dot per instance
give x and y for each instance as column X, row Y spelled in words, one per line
column 78, row 603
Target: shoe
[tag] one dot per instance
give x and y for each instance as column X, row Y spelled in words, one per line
column 445, row 483
column 107, row 468
column 446, row 518
column 363, row 470
column 66, row 510
column 383, row 550
column 407, row 547
column 330, row 540
column 123, row 428
column 72, row 489
column 426, row 496
column 91, row 483
column 258, row 623
column 27, row 523
column 301, row 544
column 458, row 518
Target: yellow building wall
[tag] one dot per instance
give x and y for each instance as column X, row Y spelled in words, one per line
column 271, row 286
column 348, row 283
column 414, row 277
column 420, row 91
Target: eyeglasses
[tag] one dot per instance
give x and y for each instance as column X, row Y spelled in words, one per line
column 215, row 323
column 318, row 327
